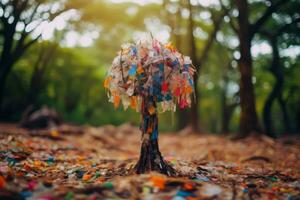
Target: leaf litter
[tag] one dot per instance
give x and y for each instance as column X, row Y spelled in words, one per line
column 86, row 162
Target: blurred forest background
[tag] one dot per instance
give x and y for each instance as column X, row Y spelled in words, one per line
column 247, row 54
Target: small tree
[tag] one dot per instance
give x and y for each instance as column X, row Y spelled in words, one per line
column 150, row 77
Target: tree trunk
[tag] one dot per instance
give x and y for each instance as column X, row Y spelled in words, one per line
column 182, row 114
column 267, row 116
column 286, row 118
column 276, row 93
column 45, row 58
column 248, row 117
column 150, row 156
column 193, row 115
column 4, row 71
column 224, row 105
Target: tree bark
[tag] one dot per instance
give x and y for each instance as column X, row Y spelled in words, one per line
column 4, row 71
column 182, row 114
column 193, row 115
column 150, row 156
column 248, row 117
column 286, row 118
column 276, row 93
column 227, row 108
column 45, row 58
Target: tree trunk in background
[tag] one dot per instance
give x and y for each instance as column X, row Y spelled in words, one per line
column 150, row 156
column 286, row 118
column 45, row 58
column 225, row 123
column 6, row 65
column 248, row 117
column 227, row 108
column 182, row 114
column 4, row 71
column 276, row 93
column 193, row 114
column 6, row 61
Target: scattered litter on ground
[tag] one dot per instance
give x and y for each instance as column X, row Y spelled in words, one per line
column 89, row 165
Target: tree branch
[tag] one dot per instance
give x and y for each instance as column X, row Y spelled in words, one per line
column 286, row 26
column 32, row 15
column 212, row 35
column 280, row 30
column 22, row 48
column 268, row 12
column 227, row 13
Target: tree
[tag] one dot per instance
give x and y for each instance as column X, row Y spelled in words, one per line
column 245, row 31
column 45, row 58
column 18, row 20
column 228, row 106
column 274, row 37
column 149, row 76
column 190, row 118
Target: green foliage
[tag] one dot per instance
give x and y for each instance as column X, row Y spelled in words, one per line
column 73, row 80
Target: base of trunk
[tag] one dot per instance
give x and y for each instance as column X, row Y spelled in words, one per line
column 152, row 160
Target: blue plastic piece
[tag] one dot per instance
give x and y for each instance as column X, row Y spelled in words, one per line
column 186, row 67
column 26, row 194
column 182, row 193
column 133, row 51
column 168, row 97
column 161, row 67
column 132, row 70
column 154, row 135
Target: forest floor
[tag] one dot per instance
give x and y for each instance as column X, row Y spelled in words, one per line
column 96, row 163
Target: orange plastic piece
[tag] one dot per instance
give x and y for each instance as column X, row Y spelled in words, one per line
column 188, row 90
column 191, row 198
column 37, row 164
column 133, row 102
column 86, row 177
column 140, row 69
column 170, row 47
column 149, row 130
column 116, row 100
column 189, row 186
column 54, row 133
column 158, row 182
column 151, row 110
column 106, row 82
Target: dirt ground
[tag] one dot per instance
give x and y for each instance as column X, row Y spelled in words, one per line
column 73, row 162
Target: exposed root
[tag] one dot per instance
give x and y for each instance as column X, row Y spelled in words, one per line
column 152, row 160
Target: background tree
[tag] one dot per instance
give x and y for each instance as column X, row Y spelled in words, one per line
column 279, row 26
column 198, row 55
column 86, row 48
column 19, row 19
column 245, row 30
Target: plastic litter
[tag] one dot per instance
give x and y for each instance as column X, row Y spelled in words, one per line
column 150, row 68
